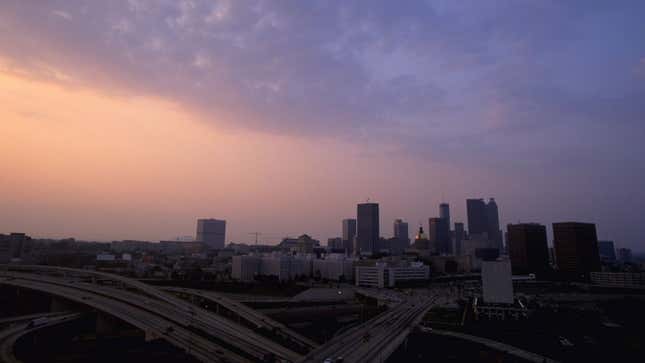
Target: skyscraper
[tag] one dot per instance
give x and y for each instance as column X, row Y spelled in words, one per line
column 439, row 232
column 444, row 212
column 459, row 237
column 401, row 231
column 477, row 216
column 367, row 228
column 607, row 251
column 349, row 234
column 625, row 255
column 527, row 248
column 576, row 247
column 212, row 232
column 492, row 221
column 484, row 218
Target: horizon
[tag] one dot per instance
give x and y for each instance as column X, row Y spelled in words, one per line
column 131, row 119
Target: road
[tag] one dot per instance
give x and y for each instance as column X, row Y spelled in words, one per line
column 376, row 339
column 193, row 329
column 502, row 347
column 20, row 327
column 252, row 316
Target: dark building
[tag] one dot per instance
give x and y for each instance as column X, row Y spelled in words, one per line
column 607, row 251
column 477, row 216
column 625, row 255
column 367, row 228
column 212, row 232
column 335, row 243
column 492, row 220
column 439, row 232
column 11, row 246
column 444, row 212
column 487, row 254
column 576, row 247
column 527, row 248
column 459, row 236
column 484, row 218
column 401, row 232
column 349, row 234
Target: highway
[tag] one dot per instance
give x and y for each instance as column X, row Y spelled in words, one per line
column 152, row 324
column 223, row 340
column 21, row 326
column 252, row 316
column 376, row 339
column 215, row 328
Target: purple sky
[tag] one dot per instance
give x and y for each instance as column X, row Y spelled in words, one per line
column 540, row 104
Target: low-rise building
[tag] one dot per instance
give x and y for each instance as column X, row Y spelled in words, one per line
column 497, row 282
column 334, row 267
column 382, row 274
column 283, row 267
column 619, row 279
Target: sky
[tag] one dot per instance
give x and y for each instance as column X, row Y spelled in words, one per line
column 131, row 119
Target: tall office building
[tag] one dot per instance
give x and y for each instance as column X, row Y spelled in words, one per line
column 460, row 235
column 607, row 251
column 401, row 231
column 439, row 232
column 484, row 218
column 211, row 232
column 367, row 228
column 477, row 216
column 625, row 255
column 576, row 247
column 444, row 212
column 349, row 234
column 492, row 220
column 527, row 248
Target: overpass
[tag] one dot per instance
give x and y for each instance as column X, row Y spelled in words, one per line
column 206, row 336
column 20, row 326
column 250, row 316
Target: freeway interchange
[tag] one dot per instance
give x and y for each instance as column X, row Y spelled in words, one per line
column 210, row 337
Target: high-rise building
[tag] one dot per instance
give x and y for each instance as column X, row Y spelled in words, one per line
column 367, row 228
column 444, row 212
column 335, row 243
column 459, row 237
column 607, row 251
column 477, row 216
column 625, row 255
column 527, row 248
column 576, row 247
column 211, row 232
column 439, row 232
column 492, row 220
column 349, row 234
column 401, row 231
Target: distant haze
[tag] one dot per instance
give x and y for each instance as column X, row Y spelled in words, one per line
column 131, row 119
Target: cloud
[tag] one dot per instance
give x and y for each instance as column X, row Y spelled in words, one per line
column 432, row 73
column 63, row 14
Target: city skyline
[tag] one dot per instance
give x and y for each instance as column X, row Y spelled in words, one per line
column 130, row 120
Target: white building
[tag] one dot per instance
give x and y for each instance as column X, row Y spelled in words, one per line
column 334, row 267
column 284, row 267
column 497, row 282
column 245, row 268
column 383, row 275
